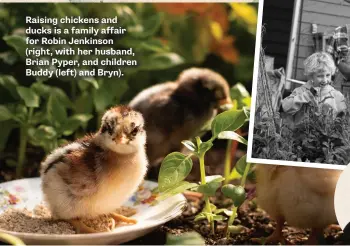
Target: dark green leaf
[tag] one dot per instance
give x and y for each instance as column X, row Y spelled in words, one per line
column 6, row 128
column 179, row 188
column 10, row 83
column 210, row 188
column 56, row 112
column 5, row 113
column 175, row 168
column 239, row 92
column 30, row 98
column 189, row 145
column 161, row 61
column 187, row 238
column 236, row 193
column 241, row 165
column 233, row 136
column 11, row 163
column 74, row 122
column 67, row 9
column 18, row 43
column 204, row 147
column 228, row 121
column 148, row 28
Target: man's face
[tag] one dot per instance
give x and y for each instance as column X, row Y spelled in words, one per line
column 321, row 77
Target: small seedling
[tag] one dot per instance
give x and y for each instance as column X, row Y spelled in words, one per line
column 176, row 166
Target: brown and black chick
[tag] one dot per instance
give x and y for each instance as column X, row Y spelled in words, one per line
column 176, row 111
column 95, row 175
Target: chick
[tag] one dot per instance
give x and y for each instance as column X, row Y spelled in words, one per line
column 175, row 111
column 302, row 197
column 98, row 173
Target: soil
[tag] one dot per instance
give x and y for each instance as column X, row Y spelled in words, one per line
column 255, row 221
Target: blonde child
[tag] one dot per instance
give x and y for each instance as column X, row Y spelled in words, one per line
column 318, row 91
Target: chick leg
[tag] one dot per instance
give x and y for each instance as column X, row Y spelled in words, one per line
column 122, row 218
column 276, row 236
column 316, row 237
column 80, row 227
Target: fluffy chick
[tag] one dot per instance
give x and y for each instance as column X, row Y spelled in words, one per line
column 96, row 174
column 302, row 197
column 175, row 111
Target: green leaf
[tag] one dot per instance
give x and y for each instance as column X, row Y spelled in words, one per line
column 187, row 238
column 234, row 175
column 246, row 112
column 239, row 92
column 67, row 9
column 235, row 229
column 74, row 122
column 45, row 91
column 189, row 145
column 10, row 83
column 18, row 43
column 210, row 188
column 30, row 98
column 236, row 193
column 21, row 113
column 200, row 216
column 11, row 163
column 204, row 147
column 6, row 128
column 148, row 28
column 5, row 113
column 56, row 112
column 233, row 136
column 228, row 121
column 90, row 80
column 241, row 165
column 161, row 61
column 42, row 133
column 175, row 168
column 179, row 188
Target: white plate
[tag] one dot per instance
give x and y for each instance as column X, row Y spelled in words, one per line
column 27, row 193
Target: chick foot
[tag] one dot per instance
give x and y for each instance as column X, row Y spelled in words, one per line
column 80, row 226
column 275, row 237
column 122, row 218
column 316, row 237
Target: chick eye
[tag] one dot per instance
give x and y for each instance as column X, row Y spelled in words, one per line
column 135, row 131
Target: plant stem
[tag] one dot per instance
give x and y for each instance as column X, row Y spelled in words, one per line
column 23, row 139
column 234, row 210
column 227, row 162
column 202, row 171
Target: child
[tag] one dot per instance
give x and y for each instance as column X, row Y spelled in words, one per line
column 318, row 92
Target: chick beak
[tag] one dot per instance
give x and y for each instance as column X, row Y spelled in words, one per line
column 123, row 140
column 225, row 104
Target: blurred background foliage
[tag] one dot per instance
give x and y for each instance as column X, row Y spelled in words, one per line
column 38, row 114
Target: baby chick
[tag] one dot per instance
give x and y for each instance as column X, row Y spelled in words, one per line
column 96, row 174
column 176, row 111
column 302, row 197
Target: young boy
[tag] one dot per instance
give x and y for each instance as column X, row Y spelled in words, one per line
column 318, row 92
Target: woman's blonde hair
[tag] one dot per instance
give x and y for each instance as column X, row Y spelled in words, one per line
column 318, row 61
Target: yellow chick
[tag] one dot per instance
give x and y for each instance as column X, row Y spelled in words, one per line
column 95, row 175
column 176, row 111
column 302, row 197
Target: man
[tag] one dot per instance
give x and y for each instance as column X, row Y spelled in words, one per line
column 338, row 45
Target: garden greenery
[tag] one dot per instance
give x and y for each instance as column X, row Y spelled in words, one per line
column 41, row 113
column 177, row 166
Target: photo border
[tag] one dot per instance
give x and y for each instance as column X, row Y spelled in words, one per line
column 252, row 110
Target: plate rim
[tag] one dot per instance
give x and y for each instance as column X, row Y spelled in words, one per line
column 178, row 205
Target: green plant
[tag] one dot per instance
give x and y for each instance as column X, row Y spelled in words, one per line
column 176, row 166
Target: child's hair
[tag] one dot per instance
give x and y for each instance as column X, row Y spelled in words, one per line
column 318, row 61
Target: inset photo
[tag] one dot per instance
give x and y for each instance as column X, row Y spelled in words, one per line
column 300, row 100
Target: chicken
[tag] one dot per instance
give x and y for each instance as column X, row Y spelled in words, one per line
column 176, row 111
column 302, row 197
column 95, row 175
